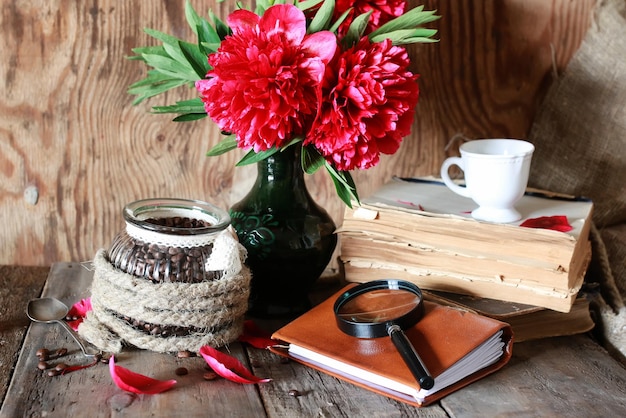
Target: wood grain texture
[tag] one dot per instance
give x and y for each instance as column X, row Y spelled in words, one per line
column 74, row 151
column 565, row 376
column 17, row 286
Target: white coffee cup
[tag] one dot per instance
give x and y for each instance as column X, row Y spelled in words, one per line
column 496, row 176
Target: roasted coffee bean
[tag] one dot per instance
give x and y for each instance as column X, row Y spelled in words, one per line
column 42, row 352
column 181, row 371
column 184, row 354
column 42, row 365
column 209, row 376
column 60, row 367
column 294, row 393
column 161, row 263
column 53, row 372
column 105, row 358
column 61, row 352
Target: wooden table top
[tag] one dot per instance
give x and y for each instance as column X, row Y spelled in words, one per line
column 565, row 376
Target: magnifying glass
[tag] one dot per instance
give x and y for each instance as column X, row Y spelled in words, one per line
column 385, row 308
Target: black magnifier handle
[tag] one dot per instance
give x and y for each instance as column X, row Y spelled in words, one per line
column 410, row 357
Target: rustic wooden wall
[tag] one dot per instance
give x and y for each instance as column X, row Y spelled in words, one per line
column 73, row 149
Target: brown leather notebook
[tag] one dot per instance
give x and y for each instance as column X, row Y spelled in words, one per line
column 457, row 347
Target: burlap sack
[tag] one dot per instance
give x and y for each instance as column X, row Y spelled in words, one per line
column 580, row 137
column 580, row 130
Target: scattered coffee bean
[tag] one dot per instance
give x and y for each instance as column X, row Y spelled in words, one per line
column 42, row 352
column 184, row 354
column 61, row 352
column 60, row 367
column 105, row 358
column 181, row 371
column 295, row 393
column 53, row 372
column 42, row 365
column 209, row 376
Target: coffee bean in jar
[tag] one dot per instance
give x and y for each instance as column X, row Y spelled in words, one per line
column 168, row 240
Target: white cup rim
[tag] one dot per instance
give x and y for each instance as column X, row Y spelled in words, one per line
column 476, row 148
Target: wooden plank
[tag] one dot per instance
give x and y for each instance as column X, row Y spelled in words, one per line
column 33, row 393
column 73, row 138
column 322, row 395
column 17, row 286
column 559, row 377
column 566, row 376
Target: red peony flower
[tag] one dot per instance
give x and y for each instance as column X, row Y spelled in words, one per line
column 280, row 77
column 264, row 86
column 382, row 12
column 368, row 104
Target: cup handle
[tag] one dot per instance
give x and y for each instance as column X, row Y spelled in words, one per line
column 446, row 177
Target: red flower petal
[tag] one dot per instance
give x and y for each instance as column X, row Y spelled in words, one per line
column 556, row 223
column 284, row 18
column 255, row 336
column 137, row 383
column 228, row 366
column 79, row 309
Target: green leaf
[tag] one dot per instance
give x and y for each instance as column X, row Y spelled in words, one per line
column 229, row 143
column 210, row 47
column 192, row 17
column 174, row 52
column 207, row 35
column 153, row 77
column 356, row 30
column 335, row 26
column 254, row 157
column 311, row 159
column 171, row 67
column 153, row 86
column 306, row 4
column 163, row 37
column 150, row 50
column 196, row 58
column 221, row 28
column 344, row 185
column 184, row 106
column 190, row 117
column 410, row 20
column 322, row 17
column 405, row 36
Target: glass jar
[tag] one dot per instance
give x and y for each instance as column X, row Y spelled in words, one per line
column 168, row 240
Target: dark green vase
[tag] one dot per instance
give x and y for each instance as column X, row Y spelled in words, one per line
column 289, row 238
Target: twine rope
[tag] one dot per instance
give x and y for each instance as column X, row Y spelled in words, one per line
column 217, row 308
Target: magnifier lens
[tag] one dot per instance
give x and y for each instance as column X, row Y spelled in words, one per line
column 380, row 305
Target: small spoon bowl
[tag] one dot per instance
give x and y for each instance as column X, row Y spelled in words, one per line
column 51, row 310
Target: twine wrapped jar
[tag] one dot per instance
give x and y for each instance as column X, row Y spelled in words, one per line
column 174, row 279
column 168, row 240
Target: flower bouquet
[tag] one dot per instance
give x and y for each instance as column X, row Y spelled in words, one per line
column 328, row 76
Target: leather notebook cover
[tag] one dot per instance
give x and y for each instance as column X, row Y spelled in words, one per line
column 442, row 337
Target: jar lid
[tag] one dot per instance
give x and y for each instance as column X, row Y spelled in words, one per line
column 206, row 219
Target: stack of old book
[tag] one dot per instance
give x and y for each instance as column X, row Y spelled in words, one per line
column 418, row 230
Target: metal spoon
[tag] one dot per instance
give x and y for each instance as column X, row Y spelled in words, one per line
column 50, row 310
